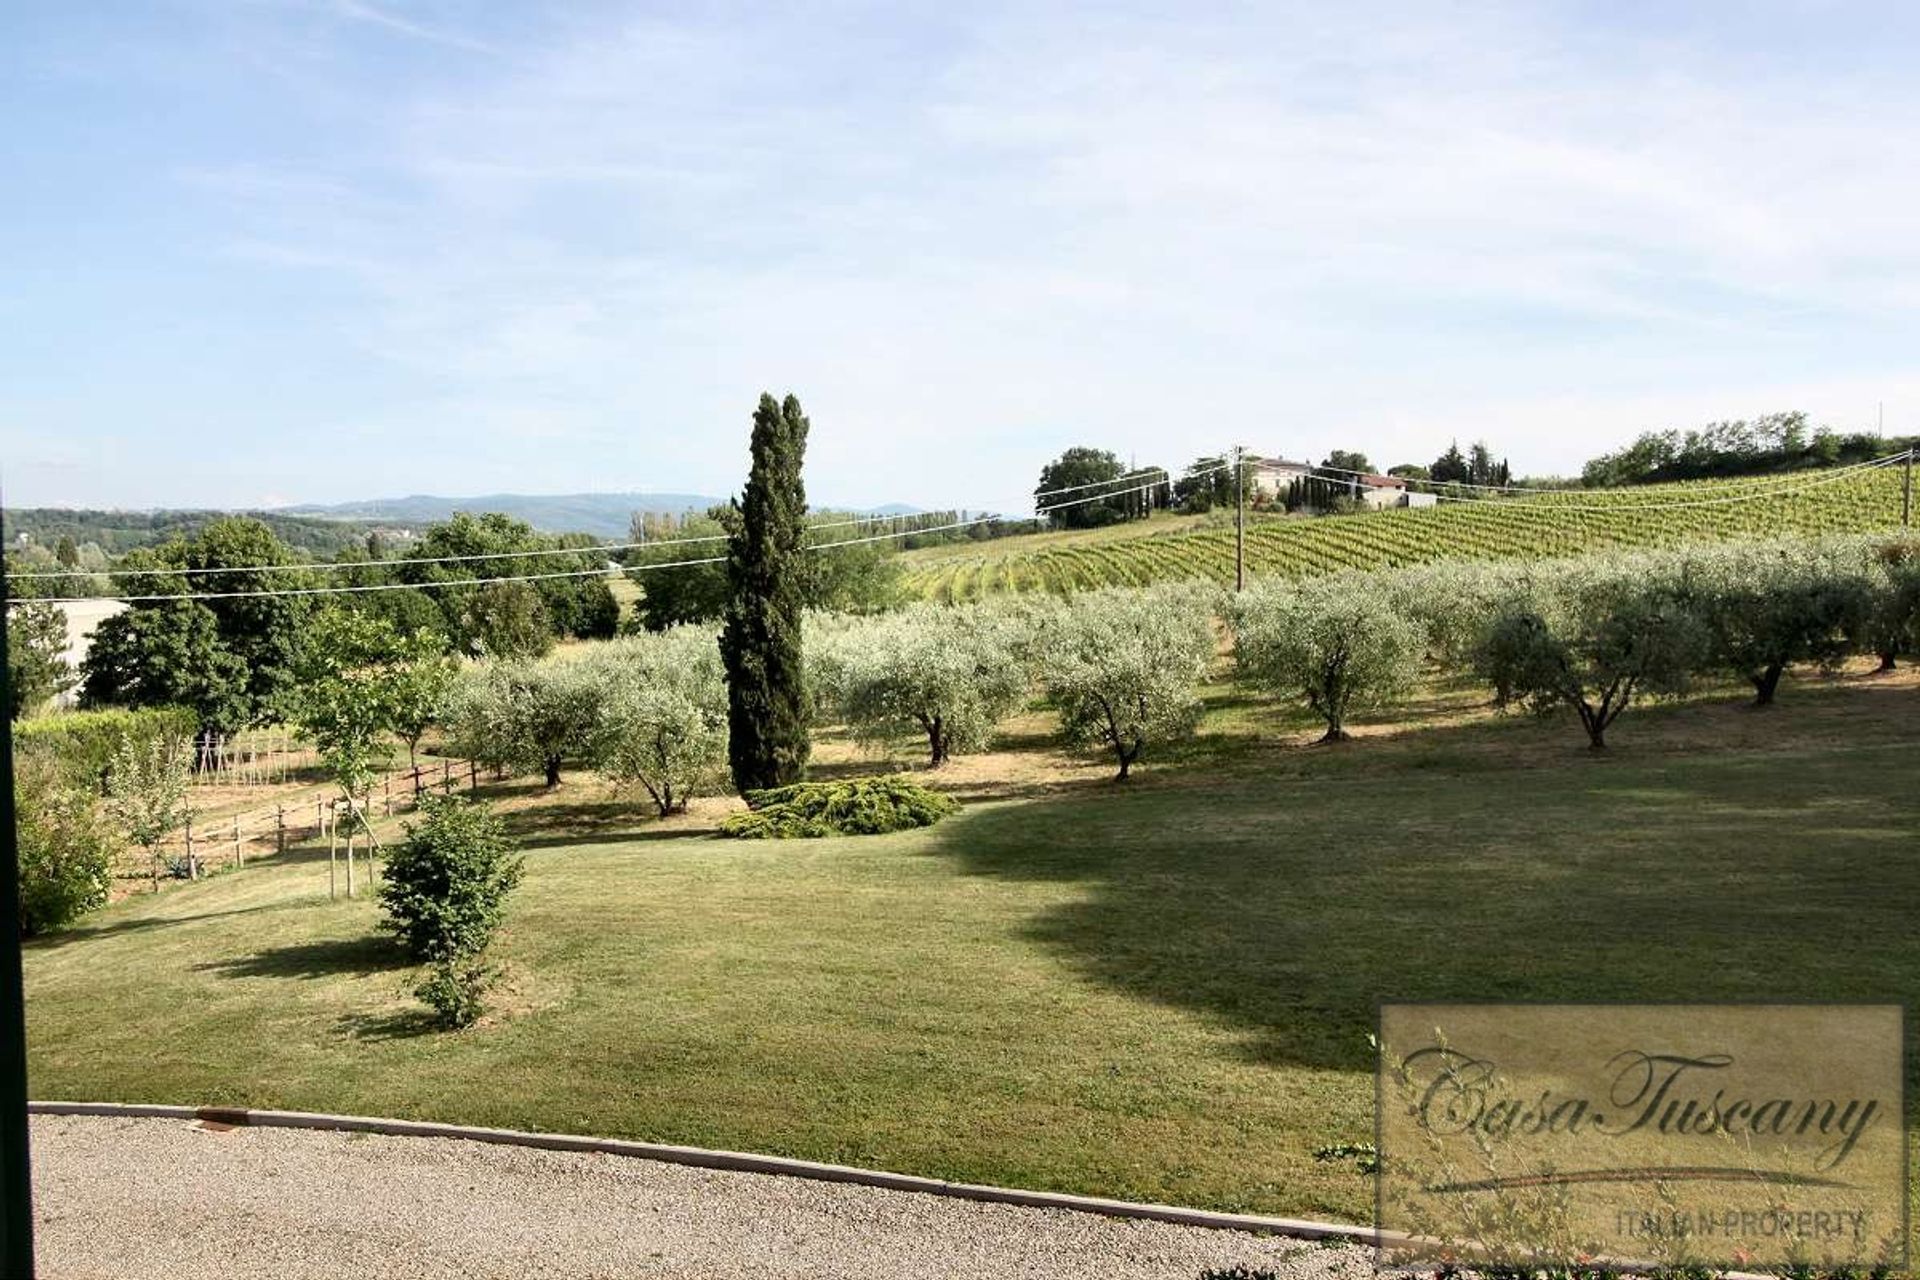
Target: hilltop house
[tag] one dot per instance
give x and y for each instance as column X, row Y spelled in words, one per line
column 1273, row 476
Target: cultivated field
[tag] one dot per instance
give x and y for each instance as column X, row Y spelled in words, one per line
column 1157, row 991
column 1550, row 524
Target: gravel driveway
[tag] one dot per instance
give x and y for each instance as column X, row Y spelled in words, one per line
column 165, row 1198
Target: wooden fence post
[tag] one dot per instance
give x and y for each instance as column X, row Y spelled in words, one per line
column 473, row 775
column 416, row 786
column 239, row 859
column 193, row 867
column 279, row 828
column 386, row 793
column 446, row 777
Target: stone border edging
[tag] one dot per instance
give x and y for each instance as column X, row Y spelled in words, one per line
column 731, row 1161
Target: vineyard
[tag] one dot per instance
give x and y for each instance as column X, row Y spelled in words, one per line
column 1548, row 524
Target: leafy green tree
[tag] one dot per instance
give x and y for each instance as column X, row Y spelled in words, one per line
column 1595, row 641
column 662, row 722
column 445, row 895
column 532, row 715
column 147, row 789
column 1893, row 609
column 500, row 620
column 506, row 620
column 1083, row 473
column 683, row 593
column 168, row 654
column 37, row 668
column 1339, row 643
column 1766, row 607
column 344, row 694
column 65, row 849
column 261, row 631
column 1450, row 467
column 422, row 677
column 1344, row 460
column 947, row 673
column 447, row 883
column 767, row 708
column 860, row 577
column 66, row 554
column 1123, row 666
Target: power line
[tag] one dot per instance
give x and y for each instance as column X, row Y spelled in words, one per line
column 466, row 583
column 598, row 548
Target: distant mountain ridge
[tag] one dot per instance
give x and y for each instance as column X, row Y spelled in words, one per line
column 604, row 515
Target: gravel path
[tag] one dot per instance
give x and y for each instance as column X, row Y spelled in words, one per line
column 165, row 1198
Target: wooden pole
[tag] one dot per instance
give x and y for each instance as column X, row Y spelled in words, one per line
column 279, row 828
column 193, row 865
column 16, row 1170
column 349, row 859
column 333, row 858
column 473, row 775
column 446, row 777
column 1906, row 493
column 1239, row 522
column 239, row 859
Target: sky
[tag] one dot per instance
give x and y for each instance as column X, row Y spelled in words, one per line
column 256, row 252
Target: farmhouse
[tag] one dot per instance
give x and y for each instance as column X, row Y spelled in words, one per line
column 1272, row 476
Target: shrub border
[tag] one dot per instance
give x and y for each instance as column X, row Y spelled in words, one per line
column 731, row 1161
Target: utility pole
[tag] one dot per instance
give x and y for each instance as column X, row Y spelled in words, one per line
column 1239, row 520
column 16, row 1187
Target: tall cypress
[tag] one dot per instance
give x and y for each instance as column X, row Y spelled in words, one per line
column 767, row 713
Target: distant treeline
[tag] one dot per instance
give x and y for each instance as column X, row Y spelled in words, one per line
column 1774, row 442
column 117, row 532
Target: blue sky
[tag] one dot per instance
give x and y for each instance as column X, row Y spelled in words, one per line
column 260, row 251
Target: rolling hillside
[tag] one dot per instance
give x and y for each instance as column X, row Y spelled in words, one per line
column 1564, row 523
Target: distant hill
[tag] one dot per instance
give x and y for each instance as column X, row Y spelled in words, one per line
column 117, row 532
column 604, row 515
column 1558, row 523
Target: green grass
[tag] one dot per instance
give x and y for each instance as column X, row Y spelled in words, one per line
column 1160, row 991
column 1564, row 523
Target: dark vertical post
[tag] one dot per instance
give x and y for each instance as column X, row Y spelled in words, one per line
column 1239, row 521
column 16, row 1173
column 1906, row 494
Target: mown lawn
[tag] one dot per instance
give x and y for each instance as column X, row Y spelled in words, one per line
column 1160, row 992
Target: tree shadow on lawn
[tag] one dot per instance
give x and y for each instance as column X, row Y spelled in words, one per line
column 328, row 957
column 87, row 933
column 403, row 1024
column 1287, row 901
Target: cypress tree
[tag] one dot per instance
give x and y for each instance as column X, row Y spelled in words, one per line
column 767, row 713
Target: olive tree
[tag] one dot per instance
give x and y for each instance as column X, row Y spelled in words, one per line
column 663, row 716
column 531, row 715
column 1122, row 667
column 1594, row 640
column 1892, row 623
column 1768, row 606
column 948, row 673
column 1339, row 643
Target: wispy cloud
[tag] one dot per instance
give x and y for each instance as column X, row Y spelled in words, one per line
column 359, row 11
column 972, row 237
